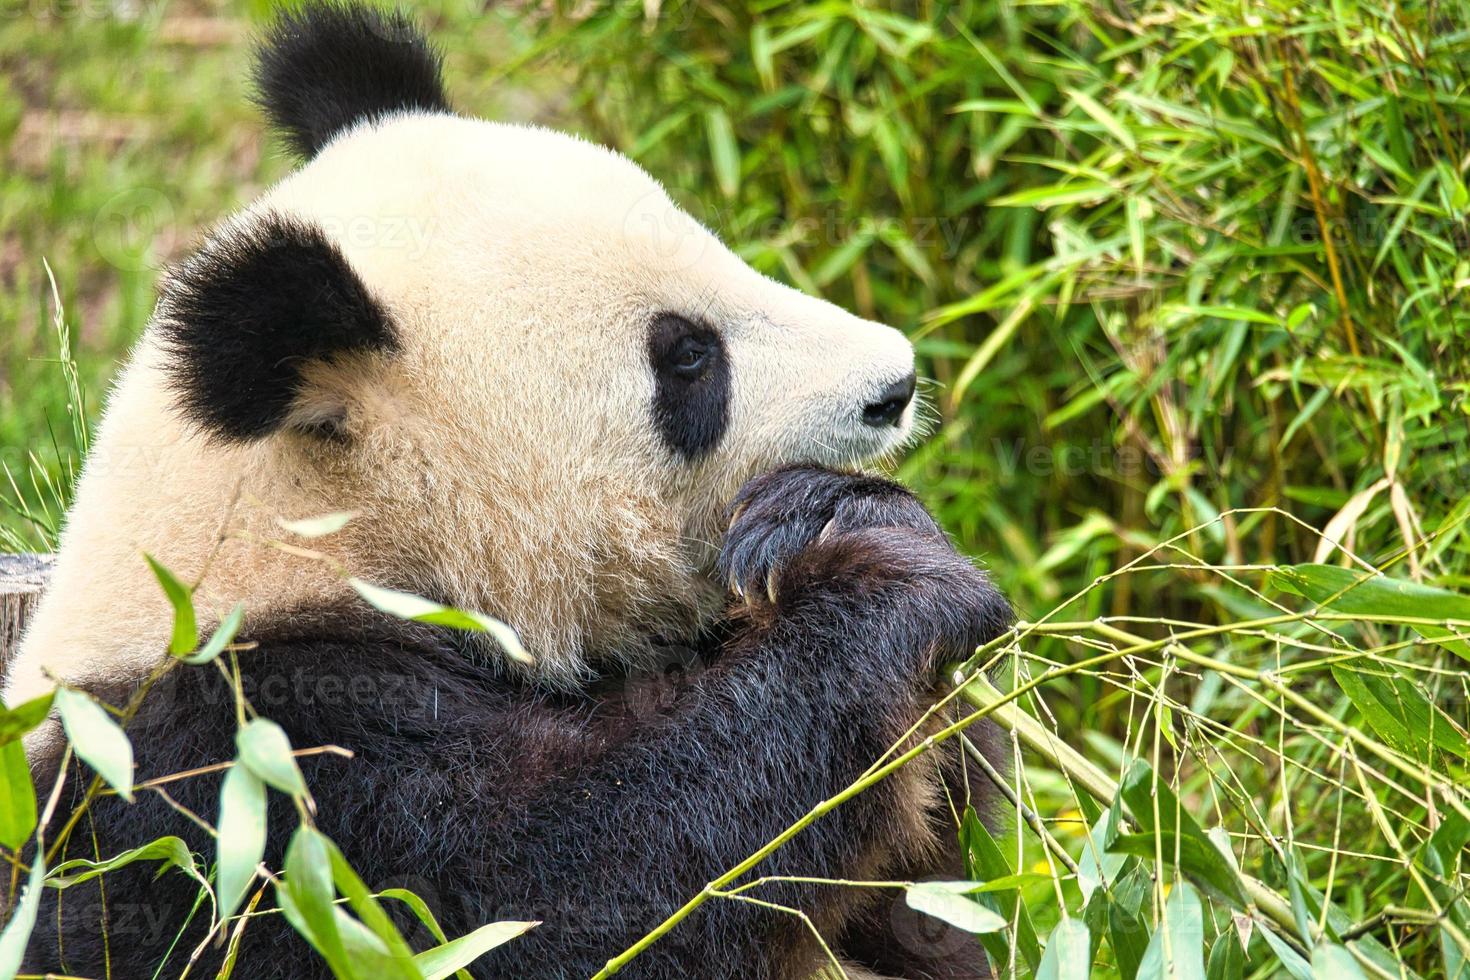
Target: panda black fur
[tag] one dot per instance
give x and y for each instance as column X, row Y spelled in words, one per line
column 597, row 792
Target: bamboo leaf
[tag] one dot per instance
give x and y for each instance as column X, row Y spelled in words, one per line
column 724, row 154
column 306, row 896
column 441, row 961
column 375, row 923
column 1177, row 949
column 1105, row 118
column 17, row 796
column 1400, row 715
column 241, row 839
column 264, row 749
column 317, row 527
column 1332, row 960
column 1227, row 961
column 1068, row 953
column 16, row 721
column 17, row 932
column 1373, row 596
column 222, row 637
column 984, row 861
column 186, row 629
column 1173, row 832
column 948, row 900
column 1291, row 961
column 171, row 852
column 1055, row 195
column 97, row 739
column 406, row 605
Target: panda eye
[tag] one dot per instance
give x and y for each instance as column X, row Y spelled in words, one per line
column 691, row 384
column 688, row 357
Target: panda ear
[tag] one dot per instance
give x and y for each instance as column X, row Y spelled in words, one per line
column 251, row 314
column 330, row 64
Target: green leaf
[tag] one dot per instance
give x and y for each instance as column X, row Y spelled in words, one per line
column 947, row 900
column 1289, row 958
column 1053, row 195
column 222, row 637
column 1177, row 949
column 1227, row 960
column 1378, row 596
column 1330, row 960
column 421, row 911
column 1096, row 867
column 17, row 796
column 306, row 896
column 1338, row 921
column 1175, row 836
column 1444, row 854
column 17, row 933
column 97, row 739
column 724, row 154
column 318, row 527
column 171, row 851
column 264, row 749
column 16, row 721
column 368, row 954
column 375, row 921
column 241, row 840
column 761, row 55
column 1221, row 313
column 1104, row 118
column 406, row 605
column 1068, row 953
column 441, row 961
column 1009, row 883
column 181, row 597
column 984, row 861
column 1128, row 934
column 1402, row 716
column 1300, row 913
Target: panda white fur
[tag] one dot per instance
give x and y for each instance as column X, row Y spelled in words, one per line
column 538, row 385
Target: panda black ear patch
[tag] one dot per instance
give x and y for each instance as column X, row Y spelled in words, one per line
column 245, row 315
column 329, row 64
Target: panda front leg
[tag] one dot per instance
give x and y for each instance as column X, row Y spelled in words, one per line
column 780, row 513
column 852, row 597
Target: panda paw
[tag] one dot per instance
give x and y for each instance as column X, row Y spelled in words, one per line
column 777, row 515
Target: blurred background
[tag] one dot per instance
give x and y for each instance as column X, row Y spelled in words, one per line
column 1186, row 272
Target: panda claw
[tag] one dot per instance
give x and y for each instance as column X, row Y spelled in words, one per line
column 771, row 585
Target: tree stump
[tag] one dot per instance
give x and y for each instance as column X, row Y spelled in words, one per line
column 21, row 578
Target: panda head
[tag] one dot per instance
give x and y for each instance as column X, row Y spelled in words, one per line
column 535, row 380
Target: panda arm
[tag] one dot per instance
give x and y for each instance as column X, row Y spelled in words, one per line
column 546, row 819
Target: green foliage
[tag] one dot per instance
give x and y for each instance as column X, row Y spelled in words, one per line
column 1191, row 279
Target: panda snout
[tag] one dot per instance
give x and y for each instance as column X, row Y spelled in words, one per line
column 887, row 407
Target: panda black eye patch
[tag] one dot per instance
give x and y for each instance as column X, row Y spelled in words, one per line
column 691, row 384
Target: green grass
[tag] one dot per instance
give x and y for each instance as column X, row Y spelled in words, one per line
column 1191, row 279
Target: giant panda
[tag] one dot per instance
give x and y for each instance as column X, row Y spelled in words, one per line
column 547, row 394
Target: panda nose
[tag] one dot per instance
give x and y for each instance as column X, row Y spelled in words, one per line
column 888, row 407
